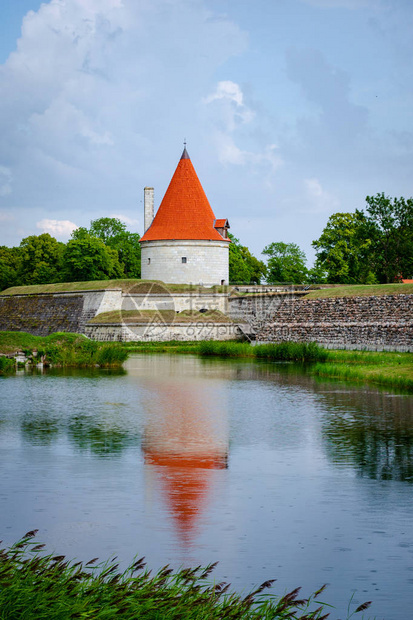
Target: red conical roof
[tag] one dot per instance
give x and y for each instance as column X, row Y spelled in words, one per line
column 185, row 212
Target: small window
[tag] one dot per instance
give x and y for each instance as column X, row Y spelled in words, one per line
column 184, row 259
column 149, row 261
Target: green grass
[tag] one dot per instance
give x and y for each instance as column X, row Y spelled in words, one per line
column 166, row 316
column 140, row 286
column 361, row 290
column 169, row 346
column 282, row 351
column 390, row 369
column 35, row 586
column 61, row 349
column 7, row 365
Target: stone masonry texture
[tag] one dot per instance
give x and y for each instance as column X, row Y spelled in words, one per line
column 375, row 323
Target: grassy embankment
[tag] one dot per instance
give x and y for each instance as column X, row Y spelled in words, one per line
column 390, row 369
column 385, row 368
column 138, row 286
column 59, row 350
column 361, row 290
column 40, row 587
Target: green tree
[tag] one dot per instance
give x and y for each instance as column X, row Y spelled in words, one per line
column 88, row 258
column 286, row 263
column 244, row 267
column 114, row 234
column 343, row 250
column 40, row 260
column 9, row 266
column 389, row 224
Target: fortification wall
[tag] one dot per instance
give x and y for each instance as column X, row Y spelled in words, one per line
column 161, row 332
column 45, row 313
column 374, row 323
column 192, row 300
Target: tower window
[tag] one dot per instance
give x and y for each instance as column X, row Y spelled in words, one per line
column 149, row 261
column 184, row 259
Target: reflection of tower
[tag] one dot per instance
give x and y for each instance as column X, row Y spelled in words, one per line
column 186, row 437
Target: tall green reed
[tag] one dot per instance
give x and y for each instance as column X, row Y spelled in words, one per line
column 37, row 586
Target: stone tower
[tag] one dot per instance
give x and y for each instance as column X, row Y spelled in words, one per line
column 185, row 243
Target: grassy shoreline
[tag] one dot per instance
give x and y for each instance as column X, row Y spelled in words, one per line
column 388, row 369
column 59, row 349
column 385, row 368
column 39, row 587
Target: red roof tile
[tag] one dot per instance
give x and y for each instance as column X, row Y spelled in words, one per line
column 185, row 212
column 221, row 223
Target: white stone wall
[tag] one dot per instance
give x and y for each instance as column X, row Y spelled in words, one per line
column 162, row 332
column 206, row 262
column 193, row 300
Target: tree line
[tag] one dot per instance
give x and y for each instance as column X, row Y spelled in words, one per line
column 103, row 251
column 369, row 246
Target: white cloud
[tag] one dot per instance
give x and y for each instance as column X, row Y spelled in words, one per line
column 61, row 229
column 232, row 108
column 318, row 198
column 130, row 221
column 96, row 93
column 5, row 181
column 229, row 153
column 344, row 4
column 6, row 217
column 229, row 114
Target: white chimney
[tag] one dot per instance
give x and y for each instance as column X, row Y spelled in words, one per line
column 148, row 207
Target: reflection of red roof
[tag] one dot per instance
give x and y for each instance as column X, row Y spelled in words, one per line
column 185, row 212
column 187, row 481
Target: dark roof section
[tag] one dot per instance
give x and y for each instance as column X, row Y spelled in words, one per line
column 185, row 154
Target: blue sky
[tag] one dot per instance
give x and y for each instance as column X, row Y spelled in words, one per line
column 292, row 110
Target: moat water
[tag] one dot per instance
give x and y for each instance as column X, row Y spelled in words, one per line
column 188, row 461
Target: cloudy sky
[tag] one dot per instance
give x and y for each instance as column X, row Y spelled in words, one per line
column 292, row 110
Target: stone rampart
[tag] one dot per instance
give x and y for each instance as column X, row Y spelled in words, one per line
column 191, row 300
column 160, row 332
column 45, row 313
column 375, row 323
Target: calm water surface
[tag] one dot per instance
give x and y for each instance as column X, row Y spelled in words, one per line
column 187, row 461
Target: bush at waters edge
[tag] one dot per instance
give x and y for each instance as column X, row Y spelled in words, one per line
column 39, row 587
column 7, row 365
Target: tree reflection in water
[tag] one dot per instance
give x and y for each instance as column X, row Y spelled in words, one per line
column 39, row 430
column 101, row 440
column 371, row 430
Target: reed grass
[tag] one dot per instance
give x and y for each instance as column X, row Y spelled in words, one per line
column 36, row 586
column 225, row 348
column 280, row 351
column 291, row 351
